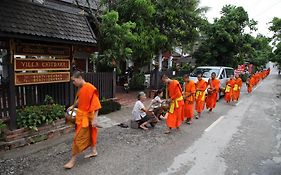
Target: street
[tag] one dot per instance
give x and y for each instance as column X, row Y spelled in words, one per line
column 242, row 139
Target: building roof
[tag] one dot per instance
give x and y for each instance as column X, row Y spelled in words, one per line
column 35, row 20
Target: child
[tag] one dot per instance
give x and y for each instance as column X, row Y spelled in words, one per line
column 139, row 112
column 156, row 104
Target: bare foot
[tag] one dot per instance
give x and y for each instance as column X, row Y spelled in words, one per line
column 143, row 127
column 167, row 132
column 69, row 165
column 93, row 154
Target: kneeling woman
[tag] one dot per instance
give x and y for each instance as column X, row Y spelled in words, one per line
column 139, row 112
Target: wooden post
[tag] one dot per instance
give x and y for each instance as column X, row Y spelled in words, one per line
column 12, row 89
column 71, row 88
column 114, row 84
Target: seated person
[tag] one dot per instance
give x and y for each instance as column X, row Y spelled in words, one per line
column 140, row 112
column 156, row 104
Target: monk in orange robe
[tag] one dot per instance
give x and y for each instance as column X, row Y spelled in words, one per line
column 200, row 95
column 250, row 83
column 236, row 89
column 175, row 112
column 229, row 89
column 189, row 98
column 88, row 105
column 256, row 78
column 213, row 90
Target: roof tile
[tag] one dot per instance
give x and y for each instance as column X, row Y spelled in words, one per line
column 32, row 19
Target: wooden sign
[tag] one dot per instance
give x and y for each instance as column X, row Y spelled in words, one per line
column 41, row 78
column 41, row 64
column 38, row 49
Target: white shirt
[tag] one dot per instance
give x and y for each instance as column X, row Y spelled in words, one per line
column 137, row 112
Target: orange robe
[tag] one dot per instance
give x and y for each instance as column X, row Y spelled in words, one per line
column 236, row 89
column 256, row 78
column 250, row 84
column 212, row 97
column 200, row 95
column 88, row 104
column 189, row 93
column 175, row 113
column 229, row 90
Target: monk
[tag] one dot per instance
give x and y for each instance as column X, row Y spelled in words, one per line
column 213, row 90
column 236, row 89
column 88, row 105
column 189, row 98
column 250, row 83
column 229, row 89
column 175, row 112
column 256, row 78
column 200, row 95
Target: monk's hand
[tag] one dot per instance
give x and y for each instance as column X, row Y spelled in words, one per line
column 94, row 122
column 69, row 108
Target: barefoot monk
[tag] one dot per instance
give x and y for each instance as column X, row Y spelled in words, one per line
column 189, row 98
column 88, row 105
column 175, row 112
column 200, row 95
column 213, row 92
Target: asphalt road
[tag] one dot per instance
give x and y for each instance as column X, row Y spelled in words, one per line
column 242, row 139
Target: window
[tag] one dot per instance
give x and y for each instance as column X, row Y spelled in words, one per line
column 229, row 72
column 222, row 76
column 206, row 72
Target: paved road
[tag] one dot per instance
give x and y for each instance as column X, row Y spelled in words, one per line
column 243, row 139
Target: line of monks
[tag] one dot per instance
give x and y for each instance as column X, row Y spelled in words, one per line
column 181, row 105
column 195, row 96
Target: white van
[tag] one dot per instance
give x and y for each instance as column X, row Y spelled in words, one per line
column 223, row 74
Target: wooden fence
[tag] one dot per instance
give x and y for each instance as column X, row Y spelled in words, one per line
column 60, row 92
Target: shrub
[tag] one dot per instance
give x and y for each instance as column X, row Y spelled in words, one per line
column 2, row 127
column 109, row 106
column 244, row 77
column 137, row 81
column 34, row 116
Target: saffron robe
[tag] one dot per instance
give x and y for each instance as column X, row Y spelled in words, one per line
column 189, row 93
column 88, row 104
column 229, row 90
column 175, row 113
column 236, row 89
column 200, row 95
column 212, row 97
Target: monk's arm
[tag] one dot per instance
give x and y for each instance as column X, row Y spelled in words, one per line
column 73, row 106
column 94, row 120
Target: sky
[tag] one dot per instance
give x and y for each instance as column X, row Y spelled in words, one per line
column 262, row 11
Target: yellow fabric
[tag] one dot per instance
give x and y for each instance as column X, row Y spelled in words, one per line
column 174, row 104
column 227, row 89
column 83, row 118
column 236, row 87
column 198, row 93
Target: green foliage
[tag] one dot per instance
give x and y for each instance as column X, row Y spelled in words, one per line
column 48, row 100
column 140, row 29
column 109, row 106
column 244, row 77
column 276, row 28
column 34, row 116
column 187, row 68
column 137, row 81
column 2, row 127
column 116, row 40
column 224, row 42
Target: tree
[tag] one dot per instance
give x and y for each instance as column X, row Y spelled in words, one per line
column 140, row 29
column 276, row 28
column 224, row 42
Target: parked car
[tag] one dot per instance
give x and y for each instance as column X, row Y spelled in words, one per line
column 223, row 74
